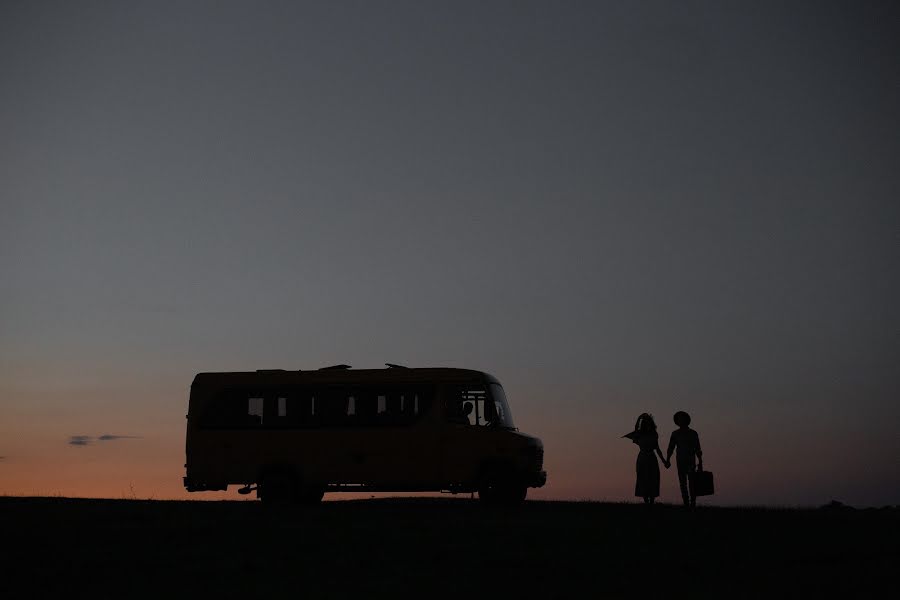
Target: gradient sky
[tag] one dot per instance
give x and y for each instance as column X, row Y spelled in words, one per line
column 612, row 207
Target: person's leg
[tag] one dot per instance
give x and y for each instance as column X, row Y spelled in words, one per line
column 693, row 494
column 683, row 482
column 691, row 471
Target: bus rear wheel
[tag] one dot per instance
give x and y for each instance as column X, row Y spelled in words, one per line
column 277, row 489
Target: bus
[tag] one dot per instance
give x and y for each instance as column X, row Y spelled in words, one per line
column 292, row 436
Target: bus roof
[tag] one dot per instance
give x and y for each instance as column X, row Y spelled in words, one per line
column 346, row 376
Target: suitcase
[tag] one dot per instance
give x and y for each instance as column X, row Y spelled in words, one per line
column 702, row 483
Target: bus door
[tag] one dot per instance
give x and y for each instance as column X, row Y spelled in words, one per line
column 466, row 440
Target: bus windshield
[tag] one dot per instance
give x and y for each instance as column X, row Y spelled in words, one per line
column 502, row 416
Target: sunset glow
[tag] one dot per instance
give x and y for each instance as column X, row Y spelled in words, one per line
column 611, row 209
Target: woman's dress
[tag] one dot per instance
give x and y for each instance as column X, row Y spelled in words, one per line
column 647, row 485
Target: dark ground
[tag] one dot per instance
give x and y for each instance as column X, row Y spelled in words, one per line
column 440, row 548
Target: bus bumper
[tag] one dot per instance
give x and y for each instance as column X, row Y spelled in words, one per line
column 202, row 486
column 538, row 479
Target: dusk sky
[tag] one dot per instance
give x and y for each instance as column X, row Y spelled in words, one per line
column 612, row 207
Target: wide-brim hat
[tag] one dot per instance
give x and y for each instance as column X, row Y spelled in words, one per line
column 682, row 416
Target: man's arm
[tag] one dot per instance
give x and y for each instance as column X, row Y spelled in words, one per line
column 697, row 443
column 671, row 446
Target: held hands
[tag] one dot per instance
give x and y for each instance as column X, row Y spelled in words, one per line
column 667, row 463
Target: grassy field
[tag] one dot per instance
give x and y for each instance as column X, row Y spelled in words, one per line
column 439, row 548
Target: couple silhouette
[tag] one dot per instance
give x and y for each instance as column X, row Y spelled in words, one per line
column 684, row 442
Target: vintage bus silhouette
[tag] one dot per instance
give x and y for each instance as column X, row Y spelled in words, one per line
column 293, row 435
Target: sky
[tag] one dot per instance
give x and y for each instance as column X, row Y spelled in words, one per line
column 613, row 207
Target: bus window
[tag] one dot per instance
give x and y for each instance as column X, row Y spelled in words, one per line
column 331, row 407
column 395, row 407
column 255, row 409
column 316, row 407
column 502, row 417
column 407, row 405
column 299, row 409
column 228, row 410
column 463, row 407
column 471, row 407
column 366, row 408
column 392, row 414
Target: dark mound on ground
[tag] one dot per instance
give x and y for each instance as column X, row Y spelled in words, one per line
column 439, row 548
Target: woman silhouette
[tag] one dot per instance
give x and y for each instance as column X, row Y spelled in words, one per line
column 645, row 436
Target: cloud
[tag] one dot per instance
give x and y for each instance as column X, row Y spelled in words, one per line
column 86, row 440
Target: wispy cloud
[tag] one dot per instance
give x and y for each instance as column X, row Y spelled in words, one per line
column 86, row 440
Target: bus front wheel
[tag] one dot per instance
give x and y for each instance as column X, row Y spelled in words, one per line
column 310, row 496
column 502, row 491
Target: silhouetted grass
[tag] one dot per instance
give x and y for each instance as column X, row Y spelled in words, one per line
column 440, row 548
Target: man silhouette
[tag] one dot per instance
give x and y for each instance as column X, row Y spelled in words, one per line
column 459, row 412
column 686, row 443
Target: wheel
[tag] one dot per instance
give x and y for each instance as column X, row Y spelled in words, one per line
column 514, row 495
column 277, row 489
column 310, row 496
column 501, row 489
column 487, row 495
